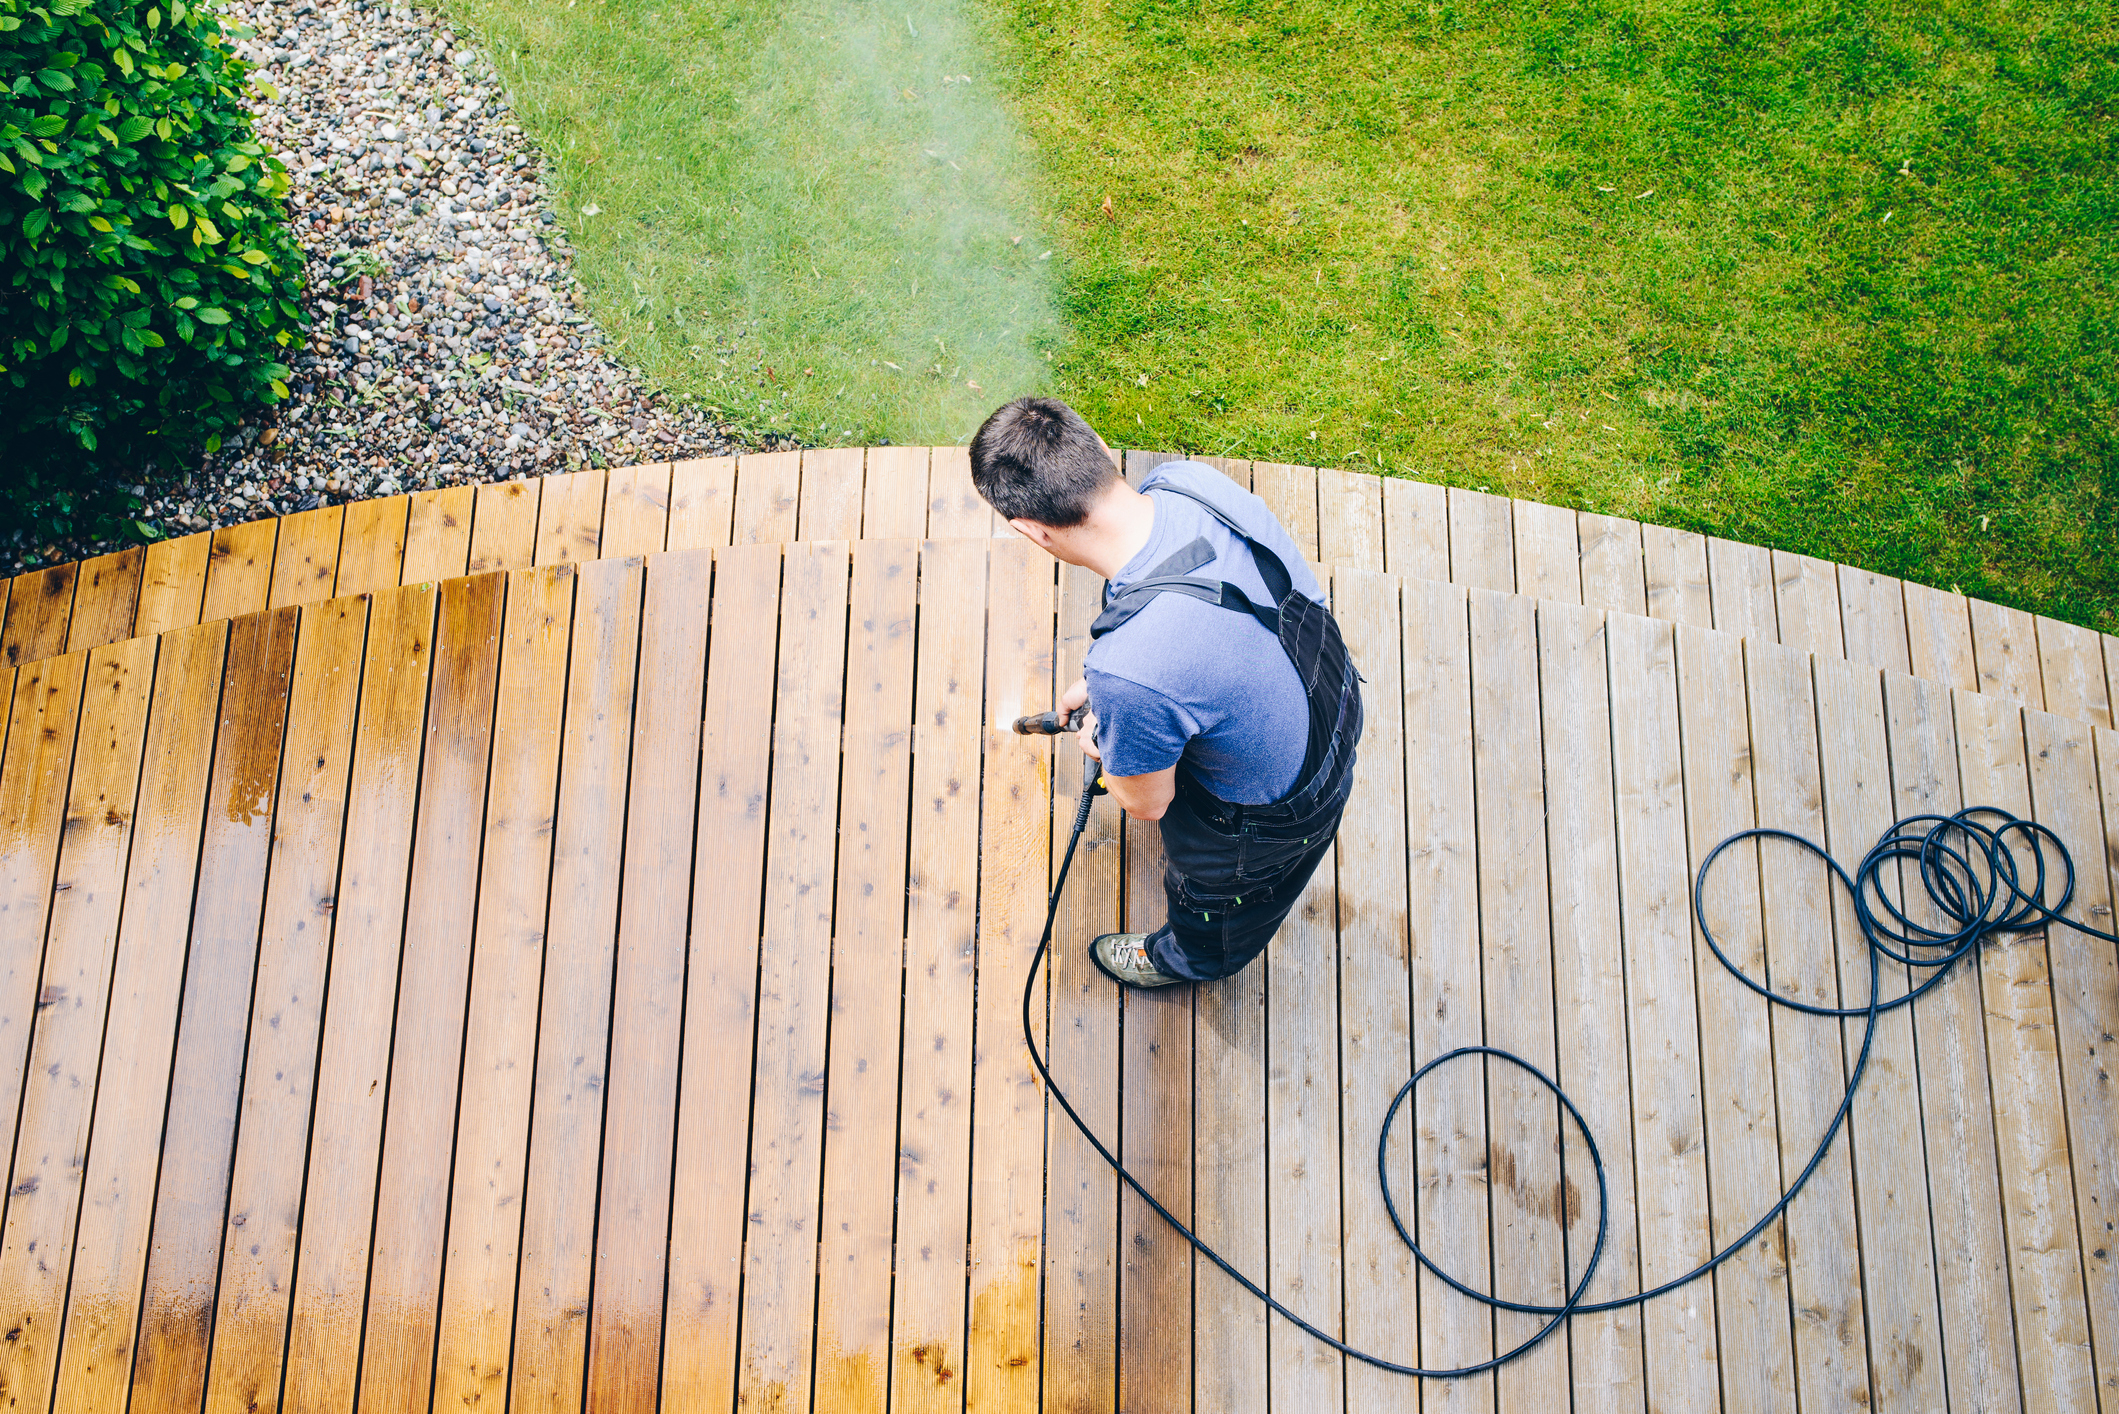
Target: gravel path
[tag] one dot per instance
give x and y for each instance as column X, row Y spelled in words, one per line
column 449, row 344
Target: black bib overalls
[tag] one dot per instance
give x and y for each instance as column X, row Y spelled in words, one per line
column 1235, row 871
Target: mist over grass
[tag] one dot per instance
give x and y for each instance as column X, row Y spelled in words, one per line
column 815, row 216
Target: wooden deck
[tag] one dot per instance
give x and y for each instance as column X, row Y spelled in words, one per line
column 1342, row 518
column 598, row 982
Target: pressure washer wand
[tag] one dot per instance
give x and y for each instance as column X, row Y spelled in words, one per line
column 1051, row 723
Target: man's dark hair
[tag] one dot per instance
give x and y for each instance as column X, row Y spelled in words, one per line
column 1035, row 459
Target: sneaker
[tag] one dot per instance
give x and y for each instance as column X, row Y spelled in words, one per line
column 1123, row 957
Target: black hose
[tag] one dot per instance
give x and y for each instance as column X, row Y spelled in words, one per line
column 1972, row 879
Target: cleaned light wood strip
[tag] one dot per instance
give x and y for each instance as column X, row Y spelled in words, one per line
column 438, row 534
column 1481, row 541
column 868, row 964
column 954, row 507
column 1526, row 1198
column 492, row 1105
column 2005, row 645
column 2038, row 1201
column 1081, row 1206
column 1613, row 576
column 1349, row 519
column 767, row 492
column 894, row 495
column 1449, row 1151
column 38, row 611
column 1872, row 619
column 636, row 511
column 239, row 570
column 570, row 517
column 106, row 600
column 286, row 1013
column 1809, row 1064
column 830, row 506
column 633, row 1230
column 206, row 1079
column 2071, row 673
column 117, row 1189
column 934, row 1115
column 1806, row 604
column 172, row 585
column 1290, row 493
column 794, row 983
column 708, row 1224
column 1548, row 552
column 1415, row 528
column 574, row 1012
column 504, row 525
column 2064, row 756
column 1939, row 637
column 1891, row 1176
column 1670, row 1158
column 1589, row 990
column 1375, row 993
column 1740, row 581
column 345, row 1142
column 77, row 885
column 1008, row 1106
column 305, row 566
column 371, row 549
column 1971, row 1249
column 702, row 502
column 1674, row 563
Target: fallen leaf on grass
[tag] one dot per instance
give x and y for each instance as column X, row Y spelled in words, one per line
column 1106, row 207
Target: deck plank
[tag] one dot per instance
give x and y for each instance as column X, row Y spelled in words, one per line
column 1674, row 565
column 1482, row 550
column 1526, row 1200
column 549, row 1371
column 1449, row 1128
column 1349, row 519
column 830, row 503
column 507, row 959
column 1415, row 528
column 1872, row 619
column 1589, row 991
column 934, row 1111
column 1290, row 493
column 1740, row 583
column 116, row 1191
column 1806, row 604
column 1809, row 1061
column 868, row 961
column 794, row 984
column 1375, row 992
column 702, row 503
column 636, row 511
column 1081, row 1209
column 1939, row 637
column 286, row 1014
column 1548, row 551
column 39, row 608
column 106, row 600
column 2005, row 646
column 504, row 526
column 2071, row 673
column 2038, row 1200
column 633, row 1229
column 72, row 885
column 1008, row 1105
column 1956, row 1103
column 239, row 569
column 305, row 566
column 2063, row 759
column 345, row 1141
column 708, row 1223
column 1891, row 1177
column 954, row 507
column 438, row 534
column 894, row 496
column 767, row 495
column 1612, row 570
column 172, row 585
column 371, row 548
column 206, row 1077
column 569, row 518
column 1670, row 1158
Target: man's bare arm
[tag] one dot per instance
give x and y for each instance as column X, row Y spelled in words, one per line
column 1143, row 797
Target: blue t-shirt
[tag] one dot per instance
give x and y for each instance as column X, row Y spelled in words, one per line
column 1188, row 679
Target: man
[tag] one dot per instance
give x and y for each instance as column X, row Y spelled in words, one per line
column 1223, row 704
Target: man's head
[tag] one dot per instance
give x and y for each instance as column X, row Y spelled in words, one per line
column 1036, row 460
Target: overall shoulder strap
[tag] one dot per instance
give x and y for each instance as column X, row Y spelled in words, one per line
column 1279, row 583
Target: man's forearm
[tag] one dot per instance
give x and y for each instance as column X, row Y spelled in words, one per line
column 1144, row 797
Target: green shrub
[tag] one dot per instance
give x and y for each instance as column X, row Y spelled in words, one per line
column 148, row 282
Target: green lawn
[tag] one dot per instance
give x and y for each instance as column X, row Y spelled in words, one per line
column 1835, row 278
